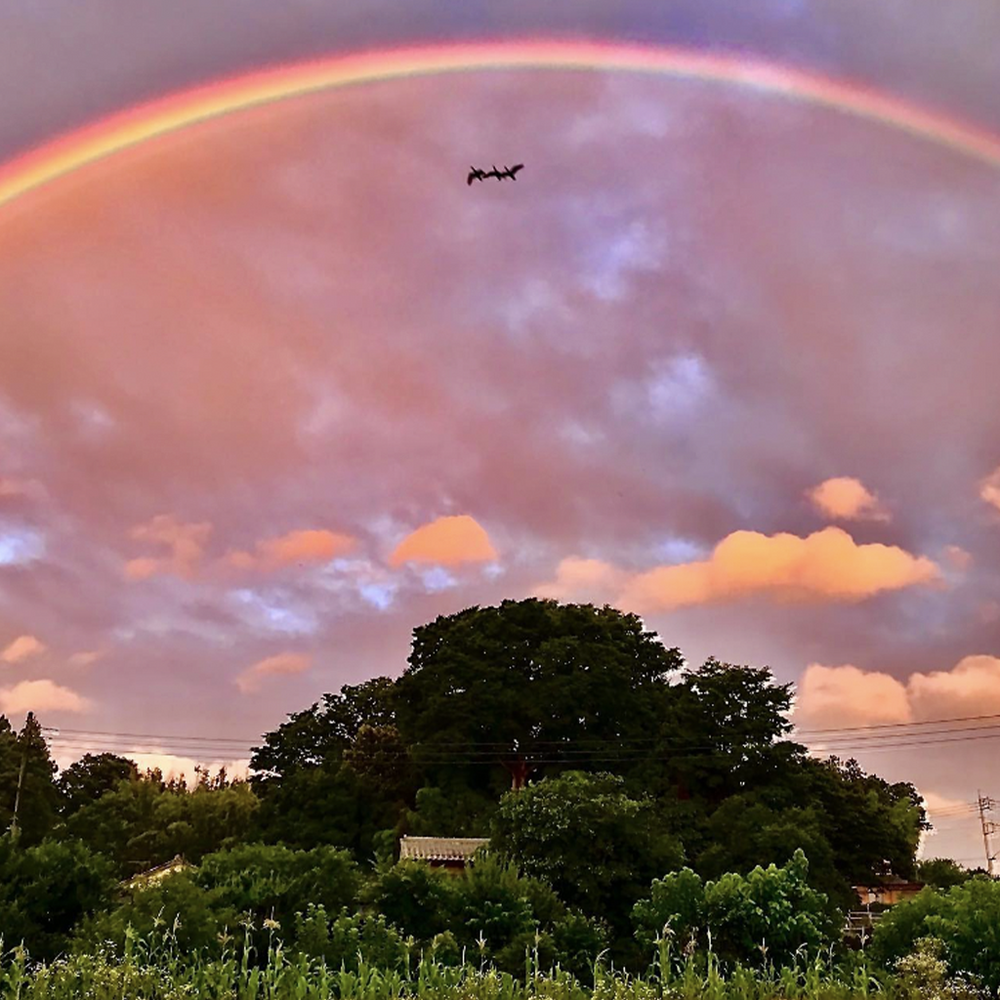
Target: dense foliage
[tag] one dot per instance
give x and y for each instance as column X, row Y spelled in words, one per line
column 623, row 792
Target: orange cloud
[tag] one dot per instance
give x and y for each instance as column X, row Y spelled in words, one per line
column 827, row 565
column 847, row 696
column 582, row 580
column 282, row 663
column 448, row 541
column 143, row 569
column 23, row 647
column 846, row 499
column 311, row 545
column 41, row 696
column 971, row 687
column 186, row 543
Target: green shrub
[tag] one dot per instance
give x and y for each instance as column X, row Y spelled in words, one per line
column 45, row 890
column 192, row 916
column 268, row 881
column 347, row 940
column 965, row 918
column 767, row 916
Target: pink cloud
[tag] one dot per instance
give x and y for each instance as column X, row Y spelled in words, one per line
column 989, row 488
column 185, row 541
column 282, row 663
column 85, row 658
column 847, row 695
column 27, row 488
column 844, row 498
column 447, row 541
column 958, row 557
column 308, row 545
column 147, row 756
column 971, row 687
column 42, row 696
column 582, row 580
column 22, row 648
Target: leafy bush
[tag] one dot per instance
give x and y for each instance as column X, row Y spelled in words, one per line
column 764, row 917
column 923, row 975
column 194, row 917
column 276, row 882
column 46, row 889
column 414, row 898
column 965, row 918
column 347, row 940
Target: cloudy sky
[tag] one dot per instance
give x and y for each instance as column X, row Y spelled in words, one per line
column 277, row 387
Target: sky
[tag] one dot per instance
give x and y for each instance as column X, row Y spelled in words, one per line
column 279, row 386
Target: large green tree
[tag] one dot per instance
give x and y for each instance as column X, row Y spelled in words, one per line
column 90, row 777
column 598, row 847
column 533, row 686
column 321, row 733
column 872, row 825
column 725, row 732
column 942, row 873
column 272, row 881
column 27, row 781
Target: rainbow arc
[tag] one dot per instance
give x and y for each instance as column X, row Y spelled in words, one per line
column 159, row 117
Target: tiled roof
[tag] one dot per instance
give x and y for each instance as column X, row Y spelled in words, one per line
column 155, row 874
column 440, row 848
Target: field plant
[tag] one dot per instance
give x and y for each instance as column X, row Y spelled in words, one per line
column 155, row 967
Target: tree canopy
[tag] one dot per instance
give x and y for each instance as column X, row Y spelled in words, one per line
column 604, row 769
column 526, row 683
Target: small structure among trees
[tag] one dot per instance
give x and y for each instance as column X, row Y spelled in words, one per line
column 449, row 853
column 153, row 875
column 892, row 889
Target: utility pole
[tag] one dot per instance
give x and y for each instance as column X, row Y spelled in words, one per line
column 985, row 804
column 17, row 797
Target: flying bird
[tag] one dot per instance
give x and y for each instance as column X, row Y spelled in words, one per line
column 475, row 174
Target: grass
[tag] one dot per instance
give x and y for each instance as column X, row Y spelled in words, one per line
column 154, row 969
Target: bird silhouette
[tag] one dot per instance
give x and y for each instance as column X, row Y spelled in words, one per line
column 475, row 174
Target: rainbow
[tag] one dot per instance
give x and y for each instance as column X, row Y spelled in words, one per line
column 159, row 117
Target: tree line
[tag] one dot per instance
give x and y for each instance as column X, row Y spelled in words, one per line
column 608, row 774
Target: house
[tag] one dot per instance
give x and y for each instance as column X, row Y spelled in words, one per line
column 891, row 890
column 450, row 853
column 147, row 878
column 875, row 900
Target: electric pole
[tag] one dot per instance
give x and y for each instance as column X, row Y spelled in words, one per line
column 17, row 795
column 985, row 804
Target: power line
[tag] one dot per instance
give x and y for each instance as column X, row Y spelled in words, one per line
column 879, row 730
column 899, row 725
